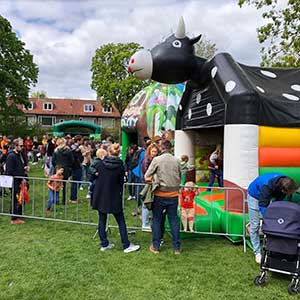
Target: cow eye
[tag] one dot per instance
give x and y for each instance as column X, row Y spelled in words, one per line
column 176, row 44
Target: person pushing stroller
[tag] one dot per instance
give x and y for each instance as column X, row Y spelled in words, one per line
column 261, row 191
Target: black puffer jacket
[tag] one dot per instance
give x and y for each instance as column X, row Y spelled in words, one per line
column 64, row 158
column 107, row 197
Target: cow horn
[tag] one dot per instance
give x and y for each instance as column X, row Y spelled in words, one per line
column 180, row 32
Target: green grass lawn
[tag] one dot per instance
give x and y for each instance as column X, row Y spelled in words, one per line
column 52, row 260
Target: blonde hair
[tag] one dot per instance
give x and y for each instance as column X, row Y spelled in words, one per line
column 101, row 153
column 114, row 149
column 189, row 184
column 61, row 143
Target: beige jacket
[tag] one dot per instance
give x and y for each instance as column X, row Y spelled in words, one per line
column 167, row 169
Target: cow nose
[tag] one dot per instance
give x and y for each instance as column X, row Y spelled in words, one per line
column 129, row 69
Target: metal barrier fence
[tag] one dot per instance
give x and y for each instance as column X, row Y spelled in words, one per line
column 211, row 216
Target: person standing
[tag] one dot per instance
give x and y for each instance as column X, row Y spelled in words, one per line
column 63, row 157
column 167, row 169
column 15, row 166
column 215, row 167
column 128, row 170
column 86, row 152
column 263, row 189
column 107, row 198
column 77, row 168
column 151, row 152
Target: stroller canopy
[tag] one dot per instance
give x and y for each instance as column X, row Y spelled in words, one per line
column 282, row 218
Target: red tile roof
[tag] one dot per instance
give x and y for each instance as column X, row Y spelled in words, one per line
column 69, row 107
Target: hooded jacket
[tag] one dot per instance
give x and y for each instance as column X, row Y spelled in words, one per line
column 107, row 196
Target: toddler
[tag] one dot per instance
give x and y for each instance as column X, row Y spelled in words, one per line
column 54, row 186
column 187, row 196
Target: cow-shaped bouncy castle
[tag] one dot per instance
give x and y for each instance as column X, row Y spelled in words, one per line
column 258, row 108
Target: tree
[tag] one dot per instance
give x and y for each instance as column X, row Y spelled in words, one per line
column 17, row 71
column 39, row 94
column 281, row 32
column 205, row 48
column 110, row 78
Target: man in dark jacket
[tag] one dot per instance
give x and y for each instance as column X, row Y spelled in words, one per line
column 15, row 166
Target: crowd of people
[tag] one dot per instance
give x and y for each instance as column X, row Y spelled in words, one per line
column 62, row 159
column 154, row 178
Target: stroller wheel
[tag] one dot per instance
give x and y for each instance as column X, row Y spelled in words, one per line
column 293, row 288
column 260, row 280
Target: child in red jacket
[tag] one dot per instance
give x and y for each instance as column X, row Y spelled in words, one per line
column 187, row 196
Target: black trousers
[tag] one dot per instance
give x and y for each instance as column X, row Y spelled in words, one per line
column 16, row 207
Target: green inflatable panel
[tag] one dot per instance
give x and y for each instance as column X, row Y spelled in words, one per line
column 232, row 223
column 293, row 172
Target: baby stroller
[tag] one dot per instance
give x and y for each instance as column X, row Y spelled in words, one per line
column 281, row 243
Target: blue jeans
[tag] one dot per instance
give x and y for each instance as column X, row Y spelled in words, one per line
column 253, row 211
column 145, row 217
column 85, row 173
column 122, row 229
column 158, row 206
column 76, row 176
column 212, row 175
column 53, row 197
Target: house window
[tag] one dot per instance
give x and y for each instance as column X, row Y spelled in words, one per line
column 88, row 108
column 30, row 106
column 31, row 120
column 107, row 109
column 47, row 121
column 108, row 123
column 100, row 122
column 48, row 106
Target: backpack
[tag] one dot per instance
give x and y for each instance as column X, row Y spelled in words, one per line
column 135, row 159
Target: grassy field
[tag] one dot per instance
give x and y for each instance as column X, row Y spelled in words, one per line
column 51, row 260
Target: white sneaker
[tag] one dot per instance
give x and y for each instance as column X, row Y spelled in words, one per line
column 146, row 228
column 258, row 258
column 81, row 188
column 132, row 248
column 108, row 247
column 88, row 196
column 129, row 198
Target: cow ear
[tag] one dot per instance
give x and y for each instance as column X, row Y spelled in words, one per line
column 195, row 39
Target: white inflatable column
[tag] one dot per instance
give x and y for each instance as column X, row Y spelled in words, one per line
column 241, row 153
column 184, row 144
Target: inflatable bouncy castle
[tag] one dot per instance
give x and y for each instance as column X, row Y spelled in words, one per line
column 254, row 112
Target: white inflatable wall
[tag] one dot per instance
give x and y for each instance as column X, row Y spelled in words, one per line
column 241, row 153
column 184, row 144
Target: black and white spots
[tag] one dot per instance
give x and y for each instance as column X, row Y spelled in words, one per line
column 268, row 74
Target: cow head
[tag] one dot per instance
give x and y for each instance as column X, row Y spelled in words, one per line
column 172, row 61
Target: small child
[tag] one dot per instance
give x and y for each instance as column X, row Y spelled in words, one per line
column 187, row 196
column 54, row 186
column 184, row 167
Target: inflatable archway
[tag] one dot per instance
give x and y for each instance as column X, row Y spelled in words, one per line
column 59, row 128
column 257, row 109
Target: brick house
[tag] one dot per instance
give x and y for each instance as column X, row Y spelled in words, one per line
column 49, row 111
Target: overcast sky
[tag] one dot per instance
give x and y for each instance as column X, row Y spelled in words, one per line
column 63, row 34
